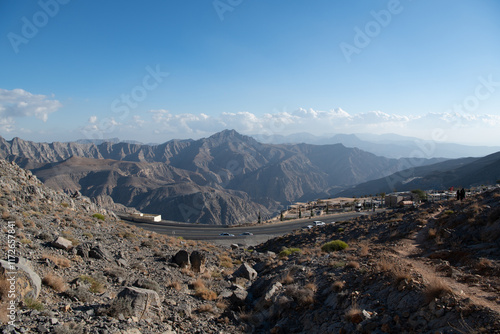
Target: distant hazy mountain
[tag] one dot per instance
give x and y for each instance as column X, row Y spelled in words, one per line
column 388, row 145
column 465, row 172
column 227, row 178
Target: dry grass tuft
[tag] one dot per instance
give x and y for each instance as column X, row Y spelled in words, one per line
column 311, row 286
column 288, row 279
column 57, row 260
column 55, row 282
column 226, row 261
column 435, row 289
column 364, row 249
column 354, row 315
column 177, row 286
column 385, row 265
column 338, row 286
column 202, row 291
column 206, row 308
column 353, row 264
column 222, row 305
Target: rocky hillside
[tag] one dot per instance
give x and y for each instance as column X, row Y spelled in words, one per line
column 465, row 172
column 224, row 179
column 77, row 269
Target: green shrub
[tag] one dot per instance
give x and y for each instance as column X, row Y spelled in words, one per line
column 289, row 251
column 99, row 216
column 95, row 285
column 334, row 245
column 33, row 304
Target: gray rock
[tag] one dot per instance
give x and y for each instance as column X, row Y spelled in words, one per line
column 137, row 302
column 28, row 282
column 99, row 253
column 83, row 249
column 181, row 259
column 245, row 271
column 238, row 297
column 272, row 291
column 62, row 243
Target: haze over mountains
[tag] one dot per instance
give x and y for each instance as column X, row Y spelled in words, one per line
column 226, row 178
column 387, row 145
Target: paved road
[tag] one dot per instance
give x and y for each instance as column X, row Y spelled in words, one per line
column 260, row 233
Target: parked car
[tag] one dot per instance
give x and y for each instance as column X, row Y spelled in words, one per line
column 318, row 223
column 226, row 235
column 246, row 233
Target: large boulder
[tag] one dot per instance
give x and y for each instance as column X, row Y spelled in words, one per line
column 62, row 243
column 100, row 253
column 197, row 260
column 137, row 302
column 181, row 259
column 28, row 283
column 246, row 271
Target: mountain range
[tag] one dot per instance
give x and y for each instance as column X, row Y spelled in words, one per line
column 387, row 145
column 227, row 178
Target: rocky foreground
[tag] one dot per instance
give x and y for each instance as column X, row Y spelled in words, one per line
column 76, row 268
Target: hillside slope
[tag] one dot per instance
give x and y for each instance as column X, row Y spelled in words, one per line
column 432, row 269
column 465, row 172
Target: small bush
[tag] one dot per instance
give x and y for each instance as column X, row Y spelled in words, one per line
column 55, row 282
column 33, row 304
column 354, row 315
column 335, row 245
column 289, row 251
column 353, row 264
column 226, row 261
column 95, row 285
column 338, row 286
column 99, row 216
column 57, row 260
column 206, row 308
column 206, row 294
column 435, row 289
column 80, row 293
column 175, row 285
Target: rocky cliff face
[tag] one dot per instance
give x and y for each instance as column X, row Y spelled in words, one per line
column 227, row 178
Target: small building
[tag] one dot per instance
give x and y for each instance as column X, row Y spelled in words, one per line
column 146, row 217
column 393, row 200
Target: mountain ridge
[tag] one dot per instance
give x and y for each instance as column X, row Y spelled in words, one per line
column 227, row 178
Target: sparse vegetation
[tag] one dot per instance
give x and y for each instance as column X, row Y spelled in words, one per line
column 289, row 251
column 436, row 288
column 99, row 216
column 55, row 282
column 95, row 285
column 57, row 260
column 33, row 304
column 333, row 246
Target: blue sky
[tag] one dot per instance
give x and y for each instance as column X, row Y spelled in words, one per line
column 156, row 70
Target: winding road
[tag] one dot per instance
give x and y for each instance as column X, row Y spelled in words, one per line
column 260, row 232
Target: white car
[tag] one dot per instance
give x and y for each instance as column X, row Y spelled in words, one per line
column 318, row 223
column 226, row 235
column 307, row 227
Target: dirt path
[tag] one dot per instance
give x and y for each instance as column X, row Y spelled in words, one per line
column 407, row 250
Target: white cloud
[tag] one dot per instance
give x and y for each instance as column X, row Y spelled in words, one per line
column 20, row 103
column 92, row 119
column 319, row 122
